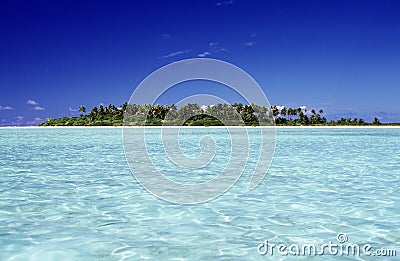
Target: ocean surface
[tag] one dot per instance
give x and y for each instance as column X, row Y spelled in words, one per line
column 68, row 194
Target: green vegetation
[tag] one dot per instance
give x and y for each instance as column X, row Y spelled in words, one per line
column 192, row 115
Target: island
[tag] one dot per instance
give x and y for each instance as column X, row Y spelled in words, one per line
column 236, row 114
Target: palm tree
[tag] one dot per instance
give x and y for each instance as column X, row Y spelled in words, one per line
column 124, row 106
column 165, row 110
column 289, row 113
column 247, row 114
column 172, row 114
column 321, row 111
column 301, row 117
column 376, row 121
column 299, row 111
column 274, row 111
column 101, row 109
column 114, row 109
column 93, row 113
column 82, row 109
column 294, row 112
column 107, row 109
column 238, row 107
column 157, row 111
column 284, row 111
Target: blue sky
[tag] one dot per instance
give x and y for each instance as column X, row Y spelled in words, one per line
column 342, row 56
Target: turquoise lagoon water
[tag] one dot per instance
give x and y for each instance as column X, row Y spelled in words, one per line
column 68, row 194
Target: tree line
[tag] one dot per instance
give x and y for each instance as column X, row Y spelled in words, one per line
column 236, row 114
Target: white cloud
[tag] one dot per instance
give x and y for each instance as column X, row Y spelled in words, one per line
column 36, row 105
column 38, row 108
column 229, row 2
column 73, row 110
column 249, row 43
column 204, row 107
column 280, row 107
column 204, row 54
column 18, row 121
column 32, row 102
column 6, row 108
column 3, row 122
column 175, row 54
column 215, row 48
column 35, row 121
column 303, row 107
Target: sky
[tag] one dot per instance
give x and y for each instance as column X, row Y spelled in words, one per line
column 339, row 55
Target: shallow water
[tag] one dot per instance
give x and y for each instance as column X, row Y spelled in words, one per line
column 68, row 194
